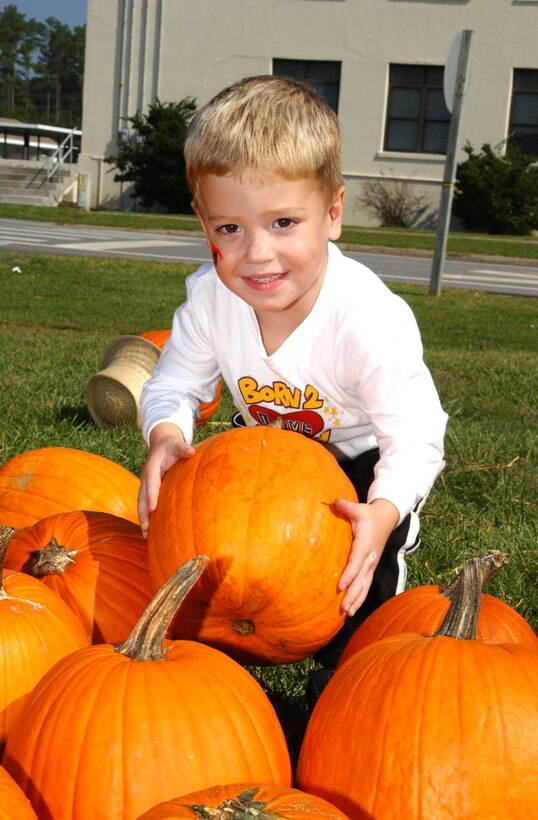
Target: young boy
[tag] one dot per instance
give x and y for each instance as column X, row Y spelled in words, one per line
column 297, row 329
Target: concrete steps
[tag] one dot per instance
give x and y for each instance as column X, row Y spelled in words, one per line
column 25, row 183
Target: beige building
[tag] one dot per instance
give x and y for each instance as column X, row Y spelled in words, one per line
column 380, row 63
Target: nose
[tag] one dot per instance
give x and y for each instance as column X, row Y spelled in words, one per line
column 259, row 249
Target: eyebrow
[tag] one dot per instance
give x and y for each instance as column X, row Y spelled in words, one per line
column 295, row 209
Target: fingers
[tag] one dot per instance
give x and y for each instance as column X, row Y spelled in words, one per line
column 147, row 501
column 358, row 567
column 186, row 451
column 163, row 455
column 356, row 580
column 143, row 516
column 366, row 550
column 347, row 508
column 371, row 524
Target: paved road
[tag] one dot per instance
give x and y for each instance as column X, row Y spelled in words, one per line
column 23, row 236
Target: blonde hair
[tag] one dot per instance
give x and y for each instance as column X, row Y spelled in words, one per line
column 265, row 127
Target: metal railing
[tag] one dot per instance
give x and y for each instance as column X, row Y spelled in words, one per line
column 64, row 152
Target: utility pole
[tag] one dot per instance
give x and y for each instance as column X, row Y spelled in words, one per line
column 449, row 176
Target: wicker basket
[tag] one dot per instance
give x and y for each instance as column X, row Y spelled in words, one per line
column 114, row 392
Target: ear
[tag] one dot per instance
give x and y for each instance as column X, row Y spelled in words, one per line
column 336, row 213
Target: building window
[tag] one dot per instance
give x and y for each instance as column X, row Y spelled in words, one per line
column 322, row 75
column 417, row 117
column 524, row 113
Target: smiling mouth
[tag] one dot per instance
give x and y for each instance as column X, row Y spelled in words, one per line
column 264, row 279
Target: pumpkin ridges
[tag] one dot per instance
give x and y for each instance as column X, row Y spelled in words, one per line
column 422, row 609
column 106, row 583
column 437, row 760
column 279, row 802
column 259, row 501
column 105, row 712
column 104, row 704
column 450, row 732
column 73, row 713
column 13, row 802
column 49, row 480
column 36, row 629
column 502, row 750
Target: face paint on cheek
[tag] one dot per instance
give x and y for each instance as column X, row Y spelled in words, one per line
column 216, row 254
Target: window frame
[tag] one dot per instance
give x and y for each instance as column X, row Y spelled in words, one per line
column 432, row 80
column 519, row 86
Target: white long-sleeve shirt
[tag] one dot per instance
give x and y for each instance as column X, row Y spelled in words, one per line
column 351, row 375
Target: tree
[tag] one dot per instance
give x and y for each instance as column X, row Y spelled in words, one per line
column 59, row 70
column 151, row 156
column 41, row 68
column 75, row 77
column 497, row 193
column 34, row 33
column 12, row 34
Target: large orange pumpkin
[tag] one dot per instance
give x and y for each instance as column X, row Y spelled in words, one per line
column 259, row 502
column 111, row 732
column 95, row 561
column 14, row 805
column 422, row 609
column 245, row 800
column 36, row 629
column 207, row 409
column 419, row 727
column 50, row 480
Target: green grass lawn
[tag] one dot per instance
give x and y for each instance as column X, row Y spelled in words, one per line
column 59, row 314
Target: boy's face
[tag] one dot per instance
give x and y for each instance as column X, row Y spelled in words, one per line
column 269, row 240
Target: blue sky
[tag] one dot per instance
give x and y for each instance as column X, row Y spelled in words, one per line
column 70, row 12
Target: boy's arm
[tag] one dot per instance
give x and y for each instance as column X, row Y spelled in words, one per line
column 187, row 372
column 166, row 446
column 371, row 524
column 399, row 397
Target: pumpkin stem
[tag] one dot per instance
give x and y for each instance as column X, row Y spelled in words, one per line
column 242, row 807
column 51, row 560
column 243, row 626
column 145, row 643
column 6, row 534
column 465, row 594
column 491, row 562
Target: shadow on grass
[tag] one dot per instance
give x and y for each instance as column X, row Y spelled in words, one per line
column 79, row 416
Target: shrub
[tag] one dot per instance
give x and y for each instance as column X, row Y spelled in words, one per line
column 152, row 156
column 497, row 192
column 392, row 201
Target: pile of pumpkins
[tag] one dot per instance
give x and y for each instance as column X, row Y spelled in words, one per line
column 123, row 687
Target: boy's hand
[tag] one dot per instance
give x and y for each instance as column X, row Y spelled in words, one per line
column 371, row 525
column 167, row 446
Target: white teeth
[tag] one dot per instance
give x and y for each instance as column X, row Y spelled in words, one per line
column 265, row 278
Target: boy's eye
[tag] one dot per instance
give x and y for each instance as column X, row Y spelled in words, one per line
column 284, row 222
column 228, row 229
